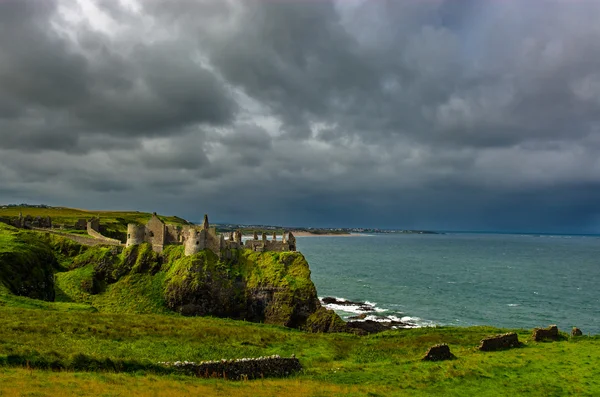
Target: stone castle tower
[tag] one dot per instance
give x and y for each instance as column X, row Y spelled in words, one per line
column 207, row 237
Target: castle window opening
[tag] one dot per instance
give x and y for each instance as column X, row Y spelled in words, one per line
column 128, row 235
column 197, row 242
column 151, row 234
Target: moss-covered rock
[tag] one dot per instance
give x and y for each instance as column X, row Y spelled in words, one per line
column 270, row 287
column 325, row 320
column 27, row 264
column 203, row 285
column 137, row 259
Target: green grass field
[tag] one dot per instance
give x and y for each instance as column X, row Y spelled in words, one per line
column 36, row 335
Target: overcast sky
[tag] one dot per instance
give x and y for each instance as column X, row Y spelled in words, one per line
column 436, row 114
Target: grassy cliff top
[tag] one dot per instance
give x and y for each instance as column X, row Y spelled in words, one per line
column 71, row 215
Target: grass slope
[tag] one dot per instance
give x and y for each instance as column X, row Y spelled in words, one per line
column 114, row 223
column 71, row 215
column 27, row 264
column 335, row 364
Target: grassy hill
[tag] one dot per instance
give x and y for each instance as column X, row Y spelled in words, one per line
column 71, row 215
column 114, row 223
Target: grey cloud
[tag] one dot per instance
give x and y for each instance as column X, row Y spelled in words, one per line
column 163, row 89
column 92, row 184
column 97, row 85
column 36, row 66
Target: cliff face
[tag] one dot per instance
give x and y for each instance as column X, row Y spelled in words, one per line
column 270, row 287
column 27, row 265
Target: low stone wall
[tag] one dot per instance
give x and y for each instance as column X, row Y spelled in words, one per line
column 84, row 240
column 499, row 342
column 241, row 369
column 95, row 234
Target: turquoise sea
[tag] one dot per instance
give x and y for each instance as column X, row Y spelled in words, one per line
column 513, row 281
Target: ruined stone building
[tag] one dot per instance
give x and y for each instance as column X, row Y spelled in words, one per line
column 85, row 224
column 156, row 233
column 29, row 222
column 288, row 243
column 196, row 238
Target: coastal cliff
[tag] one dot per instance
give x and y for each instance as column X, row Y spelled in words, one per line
column 269, row 287
column 27, row 265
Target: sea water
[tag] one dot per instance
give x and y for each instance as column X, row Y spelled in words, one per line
column 513, row 281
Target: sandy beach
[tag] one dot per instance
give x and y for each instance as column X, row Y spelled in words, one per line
column 299, row 233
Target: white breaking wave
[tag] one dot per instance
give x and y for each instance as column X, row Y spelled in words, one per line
column 358, row 308
column 370, row 309
column 347, row 308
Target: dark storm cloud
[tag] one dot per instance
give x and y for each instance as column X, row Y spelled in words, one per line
column 438, row 114
column 96, row 86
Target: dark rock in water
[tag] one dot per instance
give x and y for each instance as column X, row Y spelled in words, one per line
column 329, row 300
column 367, row 326
column 500, row 342
column 550, row 333
column 439, row 353
column 373, row 327
column 576, row 332
column 361, row 316
column 362, row 306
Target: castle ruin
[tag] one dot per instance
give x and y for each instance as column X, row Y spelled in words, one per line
column 197, row 238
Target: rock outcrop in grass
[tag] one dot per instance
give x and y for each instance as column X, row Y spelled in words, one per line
column 550, row 333
column 27, row 264
column 500, row 342
column 439, row 352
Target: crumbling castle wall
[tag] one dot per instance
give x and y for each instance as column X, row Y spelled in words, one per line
column 28, row 221
column 93, row 225
column 155, row 233
column 196, row 239
column 84, row 240
column 288, row 243
column 81, row 224
column 175, row 234
column 99, row 236
column 205, row 238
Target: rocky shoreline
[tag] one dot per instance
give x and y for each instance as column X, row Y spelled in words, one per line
column 369, row 320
